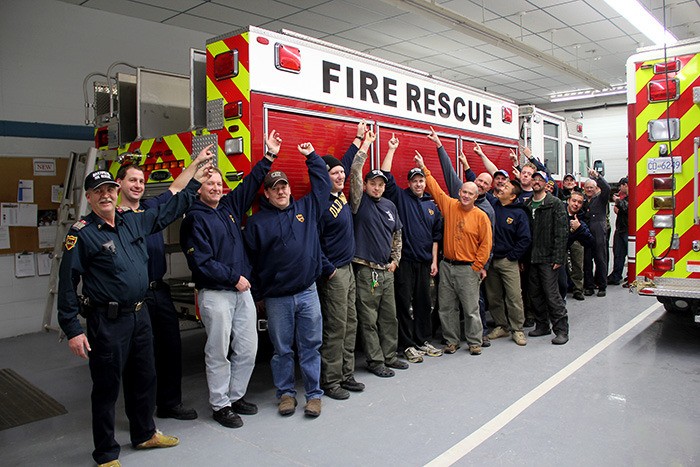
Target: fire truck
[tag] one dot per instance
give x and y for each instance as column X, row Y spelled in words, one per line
column 663, row 97
column 557, row 141
column 252, row 81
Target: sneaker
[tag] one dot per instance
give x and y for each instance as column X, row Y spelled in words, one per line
column 588, row 292
column 430, row 350
column 381, row 370
column 412, row 355
column 537, row 332
column 243, row 407
column 398, row 364
column 179, row 412
column 313, row 408
column 351, row 385
column 529, row 322
column 560, row 339
column 498, row 332
column 485, row 341
column 114, row 463
column 287, row 405
column 601, row 293
column 475, row 349
column 228, row 418
column 450, row 348
column 337, row 393
column 519, row 338
column 159, row 440
column 578, row 296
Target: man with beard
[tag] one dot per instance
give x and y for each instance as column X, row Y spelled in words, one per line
column 597, row 195
column 547, row 255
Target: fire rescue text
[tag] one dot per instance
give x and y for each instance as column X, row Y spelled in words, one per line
column 420, row 100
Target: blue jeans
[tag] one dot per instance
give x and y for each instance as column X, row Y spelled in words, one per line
column 296, row 317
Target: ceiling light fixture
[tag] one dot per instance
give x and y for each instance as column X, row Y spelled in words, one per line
column 587, row 93
column 641, row 19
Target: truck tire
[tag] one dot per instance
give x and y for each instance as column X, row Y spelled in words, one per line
column 676, row 305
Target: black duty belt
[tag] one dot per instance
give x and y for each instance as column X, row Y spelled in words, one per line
column 156, row 285
column 113, row 309
column 454, row 262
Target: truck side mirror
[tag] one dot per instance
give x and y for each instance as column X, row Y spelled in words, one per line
column 599, row 166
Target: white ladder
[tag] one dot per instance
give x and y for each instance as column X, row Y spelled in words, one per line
column 73, row 206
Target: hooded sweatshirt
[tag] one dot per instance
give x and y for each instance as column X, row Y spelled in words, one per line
column 283, row 244
column 211, row 238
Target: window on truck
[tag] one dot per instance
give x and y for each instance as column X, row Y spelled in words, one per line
column 584, row 160
column 551, row 146
column 569, row 158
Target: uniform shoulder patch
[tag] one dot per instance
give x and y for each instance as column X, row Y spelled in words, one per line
column 70, row 242
column 79, row 225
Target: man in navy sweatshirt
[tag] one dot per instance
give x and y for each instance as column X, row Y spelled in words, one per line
column 377, row 255
column 511, row 242
column 336, row 286
column 283, row 242
column 210, row 237
column 422, row 230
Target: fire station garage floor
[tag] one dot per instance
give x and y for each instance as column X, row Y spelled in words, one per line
column 624, row 391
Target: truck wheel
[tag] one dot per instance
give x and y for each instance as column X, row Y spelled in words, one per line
column 675, row 305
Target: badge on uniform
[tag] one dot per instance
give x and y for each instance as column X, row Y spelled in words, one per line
column 300, row 218
column 431, row 212
column 70, row 242
column 509, row 220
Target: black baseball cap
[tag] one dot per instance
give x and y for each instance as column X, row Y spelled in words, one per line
column 374, row 174
column 98, row 178
column 571, row 176
column 275, row 177
column 415, row 171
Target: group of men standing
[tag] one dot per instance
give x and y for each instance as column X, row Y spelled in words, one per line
column 325, row 269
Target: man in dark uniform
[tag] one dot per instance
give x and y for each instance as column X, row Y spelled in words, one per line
column 167, row 345
column 107, row 250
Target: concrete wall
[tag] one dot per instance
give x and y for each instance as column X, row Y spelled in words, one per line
column 47, row 48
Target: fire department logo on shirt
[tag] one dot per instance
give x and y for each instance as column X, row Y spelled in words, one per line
column 509, row 220
column 71, row 240
column 300, row 217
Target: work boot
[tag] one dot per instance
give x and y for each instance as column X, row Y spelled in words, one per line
column 228, row 418
column 579, row 296
column 560, row 339
column 538, row 331
column 287, row 405
column 313, row 408
column 179, row 412
column 243, row 407
column 337, row 393
column 351, row 385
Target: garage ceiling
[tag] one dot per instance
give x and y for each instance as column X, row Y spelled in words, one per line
column 587, row 35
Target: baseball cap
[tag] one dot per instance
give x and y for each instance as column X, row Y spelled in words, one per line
column 415, row 171
column 501, row 172
column 98, row 178
column 374, row 174
column 273, row 178
column 331, row 162
column 542, row 174
column 569, row 176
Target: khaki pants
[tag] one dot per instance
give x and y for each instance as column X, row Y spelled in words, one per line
column 459, row 284
column 337, row 297
column 376, row 314
column 503, row 292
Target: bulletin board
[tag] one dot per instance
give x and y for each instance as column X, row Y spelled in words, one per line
column 14, row 169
